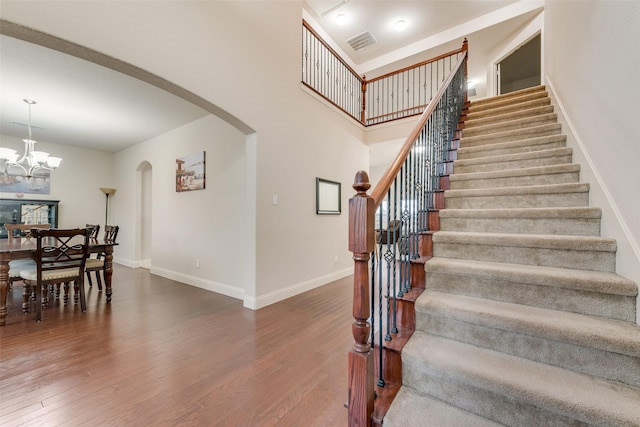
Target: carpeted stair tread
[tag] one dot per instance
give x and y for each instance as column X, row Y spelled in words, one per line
column 590, row 243
column 411, row 408
column 523, row 190
column 536, row 175
column 544, row 103
column 594, row 293
column 510, row 95
column 593, row 281
column 528, row 196
column 581, row 221
column 546, row 388
column 586, row 252
column 521, row 111
column 515, row 124
column 510, row 161
column 511, row 135
column 589, row 331
column 532, row 144
column 506, row 100
column 572, row 212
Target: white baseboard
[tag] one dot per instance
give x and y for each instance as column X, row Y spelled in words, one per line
column 253, row 303
column 261, row 301
column 126, row 262
column 210, row 285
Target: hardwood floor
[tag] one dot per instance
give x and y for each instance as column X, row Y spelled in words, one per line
column 165, row 354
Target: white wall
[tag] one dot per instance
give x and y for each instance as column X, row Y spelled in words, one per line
column 204, row 224
column 243, row 57
column 76, row 183
column 592, row 64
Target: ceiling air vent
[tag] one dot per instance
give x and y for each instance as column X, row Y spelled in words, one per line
column 362, row 40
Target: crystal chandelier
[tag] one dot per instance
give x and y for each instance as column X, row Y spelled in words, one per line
column 31, row 160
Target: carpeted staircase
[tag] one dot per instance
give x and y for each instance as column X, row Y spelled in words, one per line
column 524, row 321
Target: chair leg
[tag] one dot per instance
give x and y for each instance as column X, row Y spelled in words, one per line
column 75, row 292
column 89, row 277
column 26, row 297
column 99, row 280
column 66, row 293
column 46, row 290
column 83, row 298
column 38, row 291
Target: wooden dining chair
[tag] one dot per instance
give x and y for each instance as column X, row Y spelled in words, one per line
column 96, row 265
column 14, row 232
column 94, row 232
column 60, row 257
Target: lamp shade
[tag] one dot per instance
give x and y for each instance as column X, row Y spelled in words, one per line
column 7, row 154
column 53, row 162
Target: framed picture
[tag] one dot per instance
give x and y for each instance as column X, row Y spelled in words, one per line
column 328, row 197
column 190, row 172
column 39, row 183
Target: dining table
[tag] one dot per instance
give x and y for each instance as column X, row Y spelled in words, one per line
column 21, row 248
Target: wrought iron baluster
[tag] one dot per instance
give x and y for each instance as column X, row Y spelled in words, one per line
column 395, row 255
column 380, row 297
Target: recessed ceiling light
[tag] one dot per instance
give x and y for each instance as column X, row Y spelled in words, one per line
column 341, row 19
column 400, row 25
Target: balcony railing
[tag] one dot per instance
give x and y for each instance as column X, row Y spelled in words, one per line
column 324, row 72
column 396, row 95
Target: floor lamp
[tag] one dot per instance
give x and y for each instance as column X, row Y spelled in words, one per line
column 107, row 192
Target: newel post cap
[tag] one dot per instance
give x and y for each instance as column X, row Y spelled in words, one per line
column 361, row 216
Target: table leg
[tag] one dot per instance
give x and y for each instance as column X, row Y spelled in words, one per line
column 4, row 285
column 108, row 271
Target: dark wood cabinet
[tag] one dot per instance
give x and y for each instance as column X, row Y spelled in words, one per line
column 27, row 211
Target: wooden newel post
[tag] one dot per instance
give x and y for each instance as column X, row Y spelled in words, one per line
column 361, row 242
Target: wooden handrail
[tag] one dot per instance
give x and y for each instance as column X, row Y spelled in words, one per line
column 419, row 64
column 385, row 182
